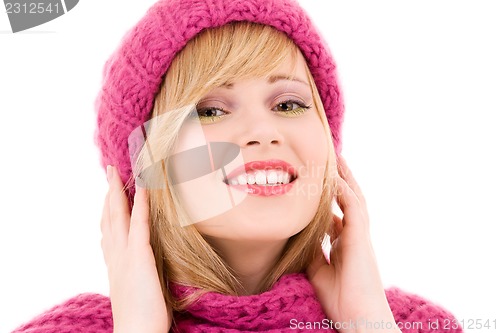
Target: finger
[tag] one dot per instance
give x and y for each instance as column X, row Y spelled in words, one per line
column 139, row 221
column 119, row 215
column 346, row 173
column 348, row 202
column 355, row 212
column 105, row 228
column 105, row 225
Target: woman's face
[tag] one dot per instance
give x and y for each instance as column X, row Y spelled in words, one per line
column 270, row 187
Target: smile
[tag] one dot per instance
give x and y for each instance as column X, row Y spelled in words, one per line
column 263, row 178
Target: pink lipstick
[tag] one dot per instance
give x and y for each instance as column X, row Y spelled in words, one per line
column 263, row 178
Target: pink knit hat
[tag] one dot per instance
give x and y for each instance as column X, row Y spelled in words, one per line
column 133, row 75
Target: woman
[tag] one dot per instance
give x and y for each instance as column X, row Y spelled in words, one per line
column 236, row 246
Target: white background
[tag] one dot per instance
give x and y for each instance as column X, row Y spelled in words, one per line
column 421, row 134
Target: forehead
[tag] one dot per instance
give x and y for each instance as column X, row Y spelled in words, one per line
column 292, row 69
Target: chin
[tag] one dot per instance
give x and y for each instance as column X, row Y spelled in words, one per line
column 262, row 219
column 269, row 226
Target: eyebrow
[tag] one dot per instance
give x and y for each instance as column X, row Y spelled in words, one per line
column 272, row 79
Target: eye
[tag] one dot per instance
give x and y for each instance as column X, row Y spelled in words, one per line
column 290, row 108
column 211, row 114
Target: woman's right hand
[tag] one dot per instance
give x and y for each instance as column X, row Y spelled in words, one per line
column 136, row 297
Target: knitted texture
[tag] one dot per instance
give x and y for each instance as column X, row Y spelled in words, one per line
column 133, row 74
column 289, row 302
column 89, row 313
column 292, row 297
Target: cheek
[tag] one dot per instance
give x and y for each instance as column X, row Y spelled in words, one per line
column 311, row 143
column 190, row 136
column 311, row 147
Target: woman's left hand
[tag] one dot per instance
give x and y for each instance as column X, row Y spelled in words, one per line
column 350, row 289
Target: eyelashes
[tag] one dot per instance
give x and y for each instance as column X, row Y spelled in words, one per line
column 209, row 115
column 293, row 112
column 286, row 108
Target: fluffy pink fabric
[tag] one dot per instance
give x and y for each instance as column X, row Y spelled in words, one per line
column 291, row 301
column 133, row 74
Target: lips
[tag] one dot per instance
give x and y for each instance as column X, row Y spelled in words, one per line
column 263, row 178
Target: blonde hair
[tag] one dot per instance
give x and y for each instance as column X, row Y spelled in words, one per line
column 215, row 57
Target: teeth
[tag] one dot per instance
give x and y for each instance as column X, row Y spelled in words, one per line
column 260, row 178
column 272, row 177
column 286, row 178
column 280, row 177
column 242, row 179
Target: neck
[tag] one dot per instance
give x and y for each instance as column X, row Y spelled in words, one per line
column 250, row 260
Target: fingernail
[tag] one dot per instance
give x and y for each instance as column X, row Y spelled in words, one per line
column 109, row 173
column 326, row 247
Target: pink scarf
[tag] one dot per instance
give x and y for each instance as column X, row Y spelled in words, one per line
column 292, row 299
column 290, row 306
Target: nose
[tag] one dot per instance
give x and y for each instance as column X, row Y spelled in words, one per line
column 262, row 129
